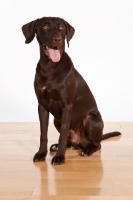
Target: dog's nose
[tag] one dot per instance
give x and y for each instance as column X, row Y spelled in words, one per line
column 57, row 39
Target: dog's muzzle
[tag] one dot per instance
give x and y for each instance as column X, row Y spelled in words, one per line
column 53, row 53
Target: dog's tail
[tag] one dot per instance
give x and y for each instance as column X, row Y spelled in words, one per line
column 112, row 134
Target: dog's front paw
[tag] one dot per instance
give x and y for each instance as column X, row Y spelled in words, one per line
column 39, row 156
column 58, row 160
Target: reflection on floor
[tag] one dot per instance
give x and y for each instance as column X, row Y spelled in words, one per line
column 106, row 175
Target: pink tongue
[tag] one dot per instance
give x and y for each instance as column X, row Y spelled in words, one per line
column 54, row 55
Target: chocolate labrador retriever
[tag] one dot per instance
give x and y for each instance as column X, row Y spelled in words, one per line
column 62, row 91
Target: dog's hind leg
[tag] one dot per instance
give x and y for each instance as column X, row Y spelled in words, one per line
column 93, row 127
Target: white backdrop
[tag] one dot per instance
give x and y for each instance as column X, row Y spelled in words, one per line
column 101, row 49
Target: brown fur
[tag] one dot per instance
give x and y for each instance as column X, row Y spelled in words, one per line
column 62, row 91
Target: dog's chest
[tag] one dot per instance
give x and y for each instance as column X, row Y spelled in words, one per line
column 43, row 88
column 51, row 100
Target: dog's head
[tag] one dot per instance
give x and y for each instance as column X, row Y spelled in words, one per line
column 51, row 33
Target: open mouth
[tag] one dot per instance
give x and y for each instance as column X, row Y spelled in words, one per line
column 52, row 53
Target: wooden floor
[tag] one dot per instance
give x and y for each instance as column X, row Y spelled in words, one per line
column 106, row 175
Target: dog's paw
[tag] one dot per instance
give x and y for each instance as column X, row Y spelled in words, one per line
column 85, row 153
column 58, row 160
column 39, row 156
column 53, row 148
column 90, row 151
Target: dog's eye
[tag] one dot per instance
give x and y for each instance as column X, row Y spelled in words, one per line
column 46, row 27
column 61, row 27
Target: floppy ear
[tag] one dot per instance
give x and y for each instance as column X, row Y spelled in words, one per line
column 69, row 31
column 29, row 30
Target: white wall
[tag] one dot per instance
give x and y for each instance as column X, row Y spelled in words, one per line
column 101, row 49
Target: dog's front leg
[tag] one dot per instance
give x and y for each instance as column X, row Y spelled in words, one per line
column 59, row 158
column 43, row 117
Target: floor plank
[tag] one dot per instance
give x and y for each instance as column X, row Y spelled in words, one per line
column 106, row 175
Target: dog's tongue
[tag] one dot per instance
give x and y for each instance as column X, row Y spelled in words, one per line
column 54, row 55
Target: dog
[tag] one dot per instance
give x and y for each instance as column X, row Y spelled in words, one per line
column 63, row 92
